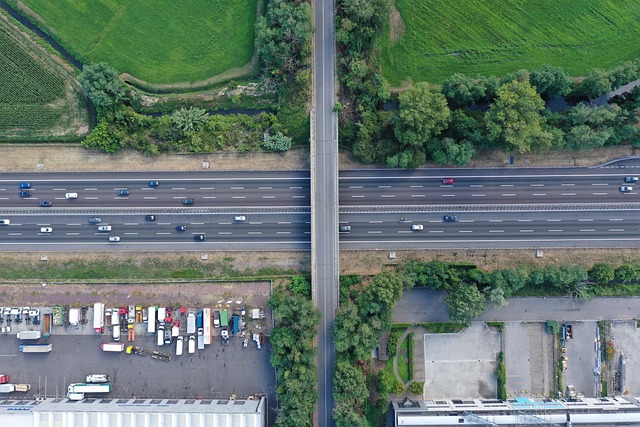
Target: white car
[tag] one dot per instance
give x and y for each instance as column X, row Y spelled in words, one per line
column 46, row 229
column 626, row 188
column 239, row 218
column 104, row 228
column 630, row 179
column 417, row 227
column 71, row 195
column 114, row 239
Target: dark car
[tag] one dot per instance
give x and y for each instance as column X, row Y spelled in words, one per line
column 199, row 237
column 187, row 201
column 95, row 220
column 122, row 192
column 45, row 203
column 344, row 228
column 24, row 185
column 630, row 179
column 167, row 336
column 25, row 193
column 150, row 217
column 449, row 218
column 447, row 181
column 153, row 183
column 181, row 228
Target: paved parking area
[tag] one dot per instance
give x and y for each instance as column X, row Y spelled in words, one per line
column 582, row 358
column 626, row 338
column 528, row 356
column 461, row 365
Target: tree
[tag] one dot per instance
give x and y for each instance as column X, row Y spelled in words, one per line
column 416, row 387
column 349, row 384
column 595, row 84
column 277, row 142
column 514, row 118
column 463, row 91
column 449, row 152
column 103, row 86
column 553, row 327
column 101, row 138
column 627, row 273
column 583, row 137
column 189, row 120
column 495, row 295
column 550, row 82
column 384, row 384
column 423, row 114
column 464, row 302
column 300, row 285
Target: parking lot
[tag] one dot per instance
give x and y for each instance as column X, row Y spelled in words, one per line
column 461, row 365
column 626, row 339
column 582, row 358
column 528, row 357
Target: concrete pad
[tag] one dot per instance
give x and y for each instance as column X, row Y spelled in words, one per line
column 626, row 338
column 528, row 356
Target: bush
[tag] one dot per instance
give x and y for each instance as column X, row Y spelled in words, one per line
column 416, row 387
column 553, row 327
column 277, row 142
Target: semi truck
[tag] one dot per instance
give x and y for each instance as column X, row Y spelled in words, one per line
column 159, row 355
column 98, row 317
column 9, row 388
column 200, row 339
column 89, row 388
column 112, row 346
column 199, row 319
column 162, row 313
column 35, row 348
column 224, row 318
column 74, row 316
column 48, row 325
column 236, row 323
column 4, row 378
column 28, row 335
column 191, row 323
column 192, row 344
column 151, row 320
column 208, row 332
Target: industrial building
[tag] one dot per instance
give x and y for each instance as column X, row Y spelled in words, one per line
column 133, row 413
column 605, row 411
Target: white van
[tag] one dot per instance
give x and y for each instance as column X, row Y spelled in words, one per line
column 179, row 344
column 162, row 313
column 116, row 332
column 192, row 344
column 98, row 378
column 160, row 335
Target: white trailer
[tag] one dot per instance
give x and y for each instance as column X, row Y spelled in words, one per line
column 29, row 335
column 151, row 325
column 74, row 316
column 162, row 313
column 98, row 317
column 206, row 324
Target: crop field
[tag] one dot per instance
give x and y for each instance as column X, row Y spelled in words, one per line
column 35, row 100
column 431, row 39
column 160, row 41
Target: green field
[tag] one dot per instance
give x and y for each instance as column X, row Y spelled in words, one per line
column 36, row 101
column 442, row 37
column 160, row 41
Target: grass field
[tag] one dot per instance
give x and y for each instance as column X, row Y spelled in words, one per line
column 436, row 38
column 36, row 100
column 159, row 41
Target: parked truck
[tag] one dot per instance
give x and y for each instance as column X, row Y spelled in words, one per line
column 139, row 316
column 191, row 323
column 4, row 379
column 224, row 336
column 199, row 319
column 10, row 388
column 200, row 339
column 28, row 335
column 98, row 317
column 74, row 316
column 35, row 348
column 224, row 318
column 175, row 329
column 77, row 391
column 23, row 387
column 159, row 355
column 140, row 351
column 192, row 344
column 206, row 324
column 48, row 325
column 151, row 320
column 162, row 313
column 112, row 346
column 236, row 324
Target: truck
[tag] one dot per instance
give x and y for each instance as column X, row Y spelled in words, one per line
column 98, row 317
column 139, row 314
column 199, row 319
column 97, row 378
column 48, row 324
column 131, row 334
column 224, row 336
column 28, row 335
column 571, row 393
column 151, row 320
column 116, row 332
column 140, row 351
column 192, row 344
column 115, row 318
column 23, row 387
column 200, row 339
column 7, row 388
column 35, row 348
column 567, row 331
column 160, row 338
column 57, row 315
column 224, row 318
column 132, row 314
column 191, row 323
column 208, row 332
column 74, row 316
column 89, row 388
column 4, row 378
column 162, row 313
column 216, row 318
column 112, row 346
column 236, row 324
column 175, row 329
column 159, row 355
column 179, row 345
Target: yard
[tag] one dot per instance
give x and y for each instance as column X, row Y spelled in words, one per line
column 159, row 42
column 431, row 39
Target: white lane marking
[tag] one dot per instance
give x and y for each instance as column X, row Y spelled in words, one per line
column 507, row 185
column 616, row 219
column 15, row 234
column 90, row 198
column 587, row 229
column 465, row 231
column 376, row 222
column 466, row 220
column 59, row 189
column 416, row 186
column 74, row 224
column 508, row 194
column 536, row 185
column 208, row 197
column 295, row 188
column 238, row 188
column 616, row 229
column 238, row 197
column 268, row 197
column 163, row 233
column 207, row 188
column 554, row 220
column 446, row 186
column 356, row 186
column 599, row 184
column 384, row 186
column 600, row 194
column 448, row 195
column 255, row 232
column 298, row 197
column 567, row 185
column 72, row 234
column 477, row 195
column 178, row 188
column 224, row 232
column 436, row 231
column 150, row 197
column 496, row 231
column 539, row 194
column 374, row 232
column 5, row 198
column 555, row 231
column 91, row 189
column 526, row 231
column 476, row 185
column 387, row 195
column 133, row 234
column 418, row 195
column 265, row 188
column 524, row 220
column 361, row 197
column 196, row 223
column 252, row 222
column 405, row 232
column 586, row 220
column 130, row 223
column 283, row 222
column 495, row 220
column 283, row 232
column 568, row 194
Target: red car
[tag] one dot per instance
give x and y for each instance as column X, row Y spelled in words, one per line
column 123, row 310
column 4, row 379
column 447, row 181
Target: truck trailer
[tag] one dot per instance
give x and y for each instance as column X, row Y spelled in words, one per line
column 98, row 317
column 151, row 320
column 89, row 388
column 191, row 323
column 112, row 346
column 28, row 335
column 74, row 316
column 48, row 325
column 224, row 318
column 206, row 324
column 35, row 348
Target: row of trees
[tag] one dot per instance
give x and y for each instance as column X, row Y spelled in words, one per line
column 293, row 353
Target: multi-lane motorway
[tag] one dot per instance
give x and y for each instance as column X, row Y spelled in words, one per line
column 521, row 208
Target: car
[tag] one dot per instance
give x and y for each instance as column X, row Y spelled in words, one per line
column 449, row 218
column 167, row 336
column 199, row 237
column 153, row 183
column 114, row 238
column 239, row 218
column 25, row 193
column 630, row 179
column 150, row 217
column 417, row 227
column 344, row 228
column 26, row 185
column 122, row 192
column 98, row 378
column 447, row 181
column 187, row 201
column 5, row 221
column 104, row 228
column 71, row 195
column 181, row 228
column 95, row 220
column 626, row 188
column 45, row 203
column 46, row 229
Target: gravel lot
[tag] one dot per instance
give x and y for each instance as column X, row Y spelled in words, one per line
column 528, row 358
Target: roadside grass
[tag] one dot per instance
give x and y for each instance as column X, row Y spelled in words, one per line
column 442, row 37
column 404, row 368
column 161, row 41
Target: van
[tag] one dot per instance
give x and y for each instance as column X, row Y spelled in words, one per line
column 162, row 314
column 104, row 228
column 116, row 332
column 192, row 344
column 179, row 344
column 160, row 335
column 98, row 378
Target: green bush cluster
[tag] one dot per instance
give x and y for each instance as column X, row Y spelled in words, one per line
column 501, row 377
